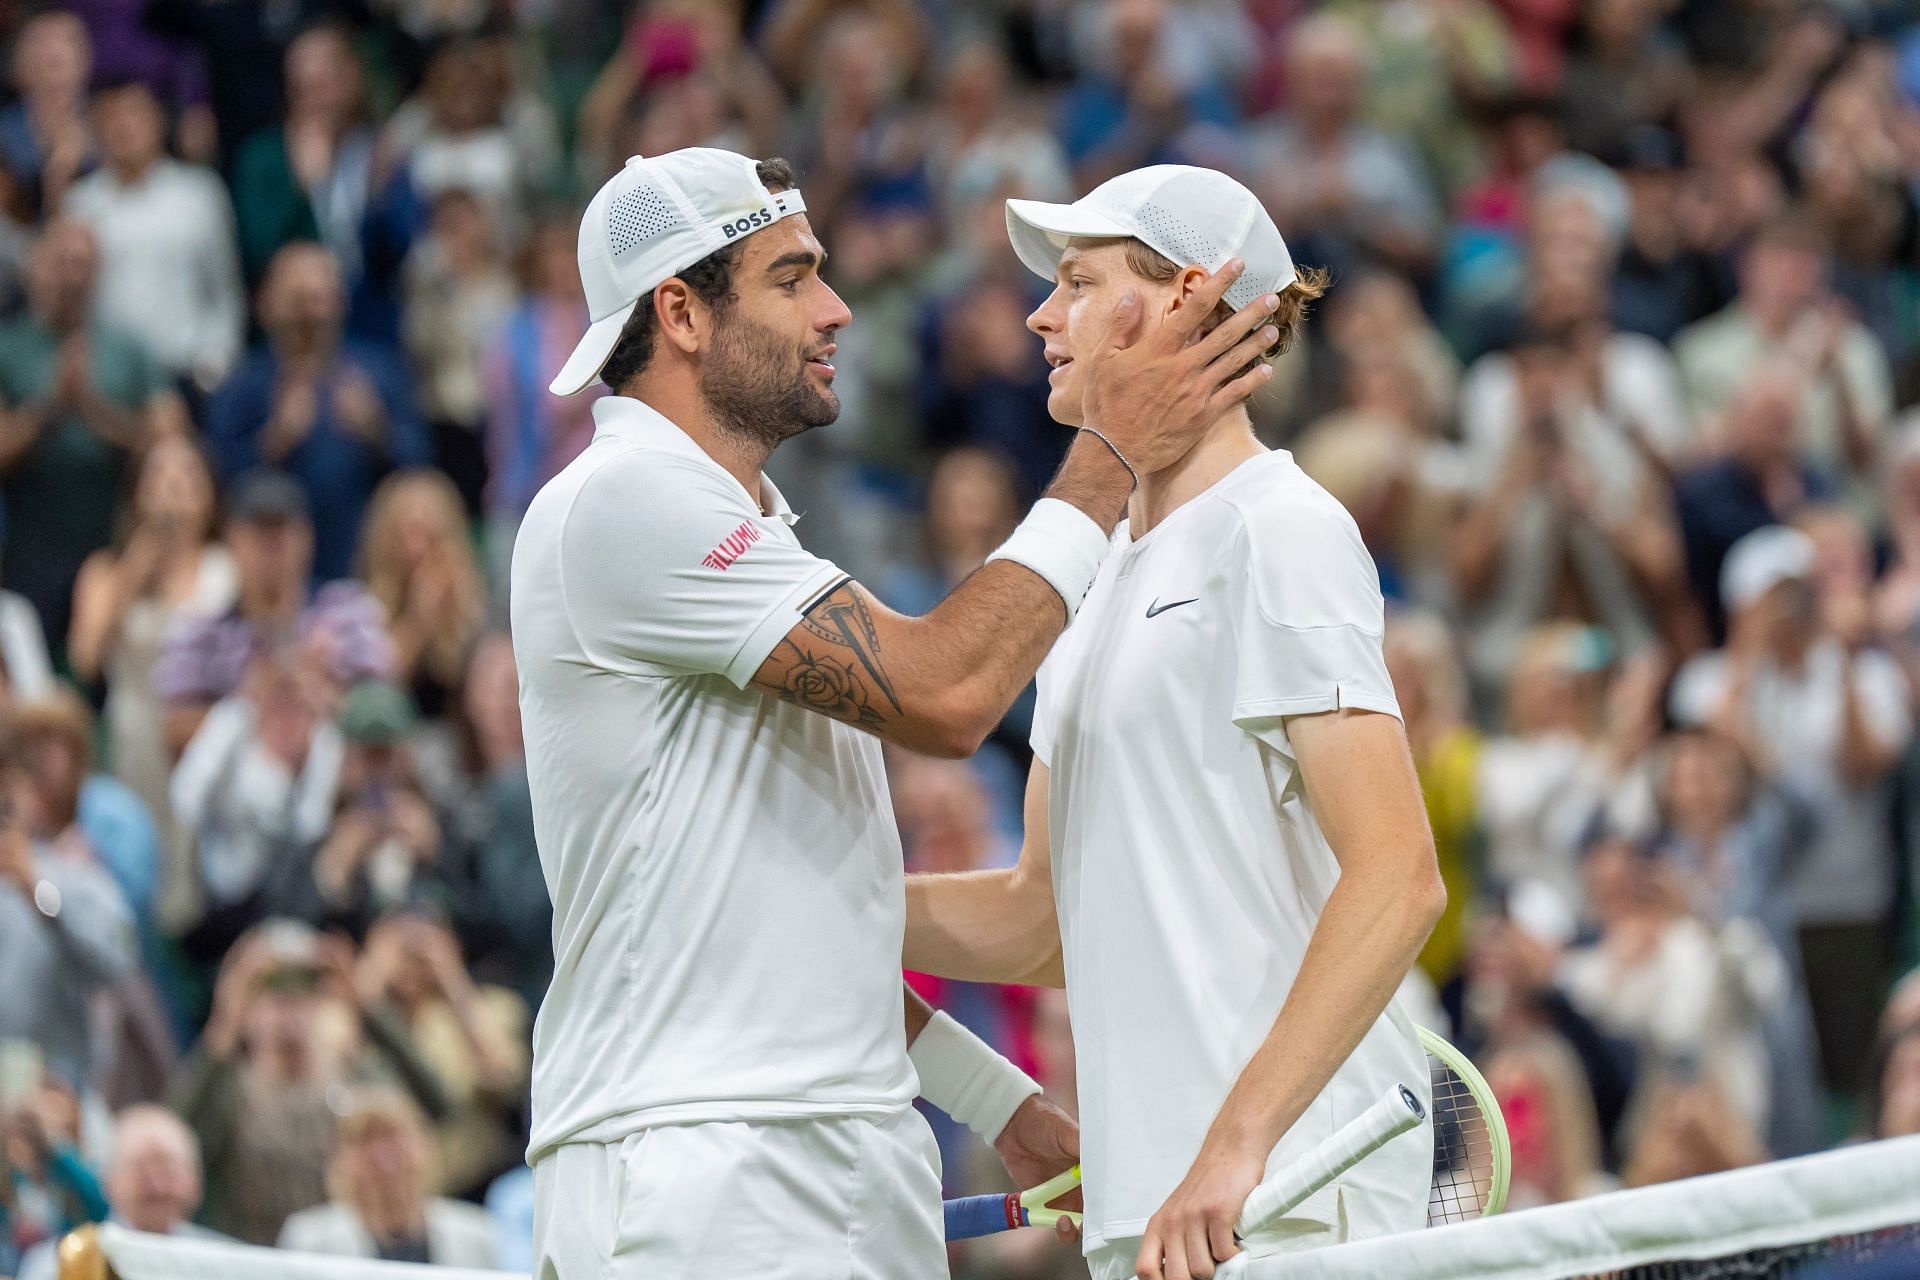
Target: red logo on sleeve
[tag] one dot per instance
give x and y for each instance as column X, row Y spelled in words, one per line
column 732, row 546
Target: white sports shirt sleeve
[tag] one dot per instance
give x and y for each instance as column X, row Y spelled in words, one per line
column 1310, row 623
column 688, row 587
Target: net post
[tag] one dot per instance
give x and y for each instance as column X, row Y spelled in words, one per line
column 80, row 1256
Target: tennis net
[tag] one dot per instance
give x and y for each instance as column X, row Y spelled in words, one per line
column 1851, row 1212
column 1836, row 1216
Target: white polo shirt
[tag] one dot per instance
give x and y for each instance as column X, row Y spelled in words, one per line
column 1188, row 872
column 724, row 866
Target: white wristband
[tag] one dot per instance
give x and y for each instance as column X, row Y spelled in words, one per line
column 1062, row 544
column 963, row 1076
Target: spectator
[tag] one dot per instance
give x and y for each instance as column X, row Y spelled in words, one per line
column 668, row 49
column 1689, row 1129
column 1516, row 1004
column 169, row 272
column 47, row 1186
column 44, row 138
column 1689, row 994
column 459, row 294
column 1759, row 480
column 1137, row 101
column 80, row 400
column 382, row 845
column 1628, row 71
column 152, row 1183
column 1571, row 501
column 334, row 412
column 1728, row 840
column 1379, row 454
column 165, row 568
column 1784, row 318
column 1435, row 67
column 973, row 502
column 984, row 134
column 1824, row 718
column 1570, row 745
column 1432, row 692
column 381, row 1204
column 311, row 176
column 854, row 132
column 286, row 1036
column 983, row 378
column 66, row 931
column 96, row 819
column 473, row 1037
column 1344, row 194
column 91, row 816
column 420, row 567
column 530, row 435
column 457, row 134
column 1551, row 1127
column 131, row 48
column 255, row 789
column 339, row 629
column 1666, row 276
column 508, row 919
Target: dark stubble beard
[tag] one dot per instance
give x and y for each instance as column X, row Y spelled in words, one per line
column 758, row 387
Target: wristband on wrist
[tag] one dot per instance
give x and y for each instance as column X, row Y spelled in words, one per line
column 1062, row 544
column 965, row 1077
column 1101, row 436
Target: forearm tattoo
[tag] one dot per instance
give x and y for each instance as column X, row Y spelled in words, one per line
column 830, row 663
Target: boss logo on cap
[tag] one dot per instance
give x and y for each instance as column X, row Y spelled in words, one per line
column 740, row 226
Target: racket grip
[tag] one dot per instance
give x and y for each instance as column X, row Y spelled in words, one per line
column 1396, row 1112
column 974, row 1216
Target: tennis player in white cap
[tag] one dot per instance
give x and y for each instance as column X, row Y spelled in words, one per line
column 721, row 1067
column 1227, row 859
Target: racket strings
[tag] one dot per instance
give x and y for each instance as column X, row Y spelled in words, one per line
column 1462, row 1150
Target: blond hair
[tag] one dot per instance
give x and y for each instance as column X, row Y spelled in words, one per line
column 1309, row 285
column 444, row 653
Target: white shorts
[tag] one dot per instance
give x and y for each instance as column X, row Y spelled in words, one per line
column 835, row 1198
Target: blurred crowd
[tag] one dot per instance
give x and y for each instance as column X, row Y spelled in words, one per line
column 1618, row 377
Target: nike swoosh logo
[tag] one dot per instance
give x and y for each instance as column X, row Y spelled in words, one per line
column 1155, row 609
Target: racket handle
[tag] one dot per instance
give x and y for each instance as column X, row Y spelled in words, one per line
column 1396, row 1112
column 983, row 1216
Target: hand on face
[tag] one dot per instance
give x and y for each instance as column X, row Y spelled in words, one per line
column 1154, row 386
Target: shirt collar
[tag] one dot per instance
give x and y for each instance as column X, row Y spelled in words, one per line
column 628, row 419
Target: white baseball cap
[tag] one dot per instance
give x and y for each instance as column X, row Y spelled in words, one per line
column 1195, row 217
column 655, row 218
column 1761, row 561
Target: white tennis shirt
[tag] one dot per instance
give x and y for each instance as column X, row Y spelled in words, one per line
column 724, row 867
column 1188, row 872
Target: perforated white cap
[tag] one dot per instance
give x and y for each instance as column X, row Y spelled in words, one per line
column 653, row 219
column 1194, row 217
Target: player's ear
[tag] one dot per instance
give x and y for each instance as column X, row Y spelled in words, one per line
column 682, row 319
column 1184, row 284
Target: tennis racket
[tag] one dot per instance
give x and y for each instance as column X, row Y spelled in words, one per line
column 974, row 1216
column 1472, row 1161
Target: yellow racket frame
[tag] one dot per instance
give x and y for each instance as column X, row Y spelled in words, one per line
column 1457, row 1062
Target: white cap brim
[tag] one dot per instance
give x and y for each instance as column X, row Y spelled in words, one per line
column 1040, row 231
column 590, row 353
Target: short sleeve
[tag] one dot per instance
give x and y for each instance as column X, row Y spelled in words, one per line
column 1310, row 620
column 668, row 569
